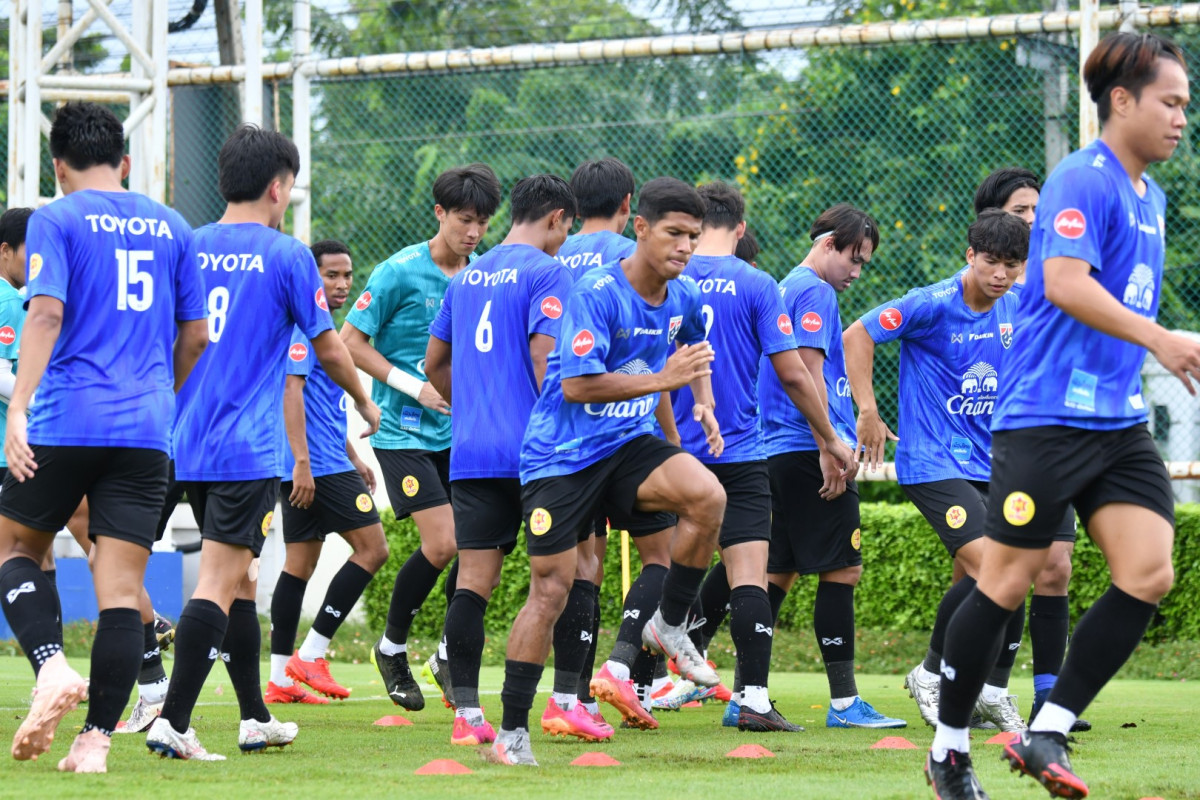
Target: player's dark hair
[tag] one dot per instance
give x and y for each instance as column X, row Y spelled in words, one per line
column 662, row 196
column 328, row 247
column 1128, row 60
column 538, row 195
column 747, row 247
column 13, row 224
column 471, row 188
column 999, row 234
column 724, row 206
column 85, row 135
column 849, row 226
column 250, row 159
column 1000, row 185
column 601, row 186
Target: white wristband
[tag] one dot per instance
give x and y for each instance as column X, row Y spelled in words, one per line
column 403, row 382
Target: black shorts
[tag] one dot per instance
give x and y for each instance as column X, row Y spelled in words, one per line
column 487, row 513
column 809, row 534
column 174, row 495
column 747, row 502
column 415, row 479
column 125, row 487
column 234, row 512
column 561, row 511
column 341, row 503
column 1037, row 472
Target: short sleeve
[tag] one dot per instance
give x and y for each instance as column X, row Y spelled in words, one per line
column 305, row 293
column 771, row 320
column 584, row 344
column 299, row 355
column 547, row 294
column 692, row 329
column 12, row 319
column 378, row 302
column 190, row 303
column 442, row 325
column 903, row 318
column 813, row 310
column 47, row 266
column 1074, row 214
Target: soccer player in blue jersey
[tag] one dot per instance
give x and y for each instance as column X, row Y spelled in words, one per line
column 953, row 335
column 228, row 434
column 590, row 441
column 815, row 520
column 326, row 488
column 106, row 267
column 387, row 331
column 1069, row 425
column 501, row 318
column 745, row 320
column 604, row 190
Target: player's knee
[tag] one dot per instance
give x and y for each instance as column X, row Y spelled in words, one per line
column 439, row 552
column 1156, row 583
column 372, row 556
column 705, row 501
column 548, row 594
column 847, row 575
column 1055, row 576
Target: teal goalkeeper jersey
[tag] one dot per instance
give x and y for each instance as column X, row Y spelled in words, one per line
column 402, row 297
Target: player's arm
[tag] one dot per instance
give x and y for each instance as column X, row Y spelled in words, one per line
column 833, row 472
column 802, row 389
column 540, row 348
column 189, row 346
column 372, row 362
column 437, row 366
column 303, row 487
column 702, row 411
column 336, row 361
column 683, row 366
column 8, row 379
column 43, row 325
column 361, row 467
column 860, row 370
column 1071, row 287
column 664, row 414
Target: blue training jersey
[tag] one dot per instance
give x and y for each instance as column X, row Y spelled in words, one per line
column 607, row 327
column 586, row 251
column 489, row 312
column 950, row 368
column 744, row 320
column 261, row 285
column 12, row 318
column 125, row 270
column 812, row 305
column 324, row 413
column 1060, row 371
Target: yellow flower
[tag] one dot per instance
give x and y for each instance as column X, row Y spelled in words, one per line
column 754, row 169
column 783, row 106
column 899, row 224
column 1004, row 45
column 942, row 207
column 741, row 179
column 895, row 90
column 740, row 161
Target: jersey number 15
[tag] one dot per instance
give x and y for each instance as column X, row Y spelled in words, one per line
column 129, row 277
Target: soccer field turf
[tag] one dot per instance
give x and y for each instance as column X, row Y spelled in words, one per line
column 1143, row 745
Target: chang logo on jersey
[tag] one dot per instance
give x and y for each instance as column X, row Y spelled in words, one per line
column 635, row 367
column 134, row 226
column 811, row 322
column 978, row 391
column 551, row 307
column 7, row 335
column 625, row 409
column 981, row 377
column 890, row 319
column 842, row 387
column 364, row 301
column 717, row 286
column 673, row 328
column 785, row 324
column 1139, row 292
column 1070, row 223
column 583, row 343
column 320, row 298
column 231, row 262
column 297, row 352
column 1006, row 330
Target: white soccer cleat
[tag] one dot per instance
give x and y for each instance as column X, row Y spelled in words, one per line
column 254, row 735
column 926, row 689
column 512, row 748
column 1003, row 712
column 673, row 641
column 170, row 743
column 141, row 718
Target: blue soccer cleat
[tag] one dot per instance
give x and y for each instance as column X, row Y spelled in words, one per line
column 730, row 719
column 860, row 714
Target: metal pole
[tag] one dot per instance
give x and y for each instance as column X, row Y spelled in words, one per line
column 16, row 73
column 1129, row 9
column 1089, row 37
column 156, row 134
column 301, row 120
column 139, row 173
column 252, row 103
column 66, row 60
column 31, row 129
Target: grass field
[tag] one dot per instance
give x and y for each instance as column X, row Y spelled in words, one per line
column 1144, row 744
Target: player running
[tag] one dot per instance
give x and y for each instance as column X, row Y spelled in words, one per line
column 387, row 331
column 1070, row 426
column 326, row 488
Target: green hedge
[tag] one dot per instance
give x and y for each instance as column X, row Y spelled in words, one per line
column 905, row 573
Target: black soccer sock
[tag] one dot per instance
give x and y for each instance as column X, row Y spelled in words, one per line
column 344, row 590
column 451, row 585
column 464, row 645
column 951, row 600
column 973, row 640
column 584, row 691
column 115, row 661
column 152, row 667
column 1008, row 649
column 1049, row 626
column 414, row 582
column 641, row 672
column 776, row 595
column 52, row 576
column 833, row 622
column 752, row 631
column 660, row 669
column 1104, row 639
column 572, row 636
column 31, row 608
column 242, row 647
column 520, row 685
column 714, row 603
column 198, row 638
column 679, row 591
column 639, row 606
column 286, row 604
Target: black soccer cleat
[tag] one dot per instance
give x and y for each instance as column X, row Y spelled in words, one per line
column 398, row 679
column 954, row 778
column 1043, row 756
column 751, row 720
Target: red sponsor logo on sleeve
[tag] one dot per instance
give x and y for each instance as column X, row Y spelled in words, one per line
column 320, row 298
column 364, row 301
column 811, row 322
column 7, row 335
column 890, row 319
column 1070, row 223
column 298, row 352
column 551, row 307
column 785, row 323
column 583, row 342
